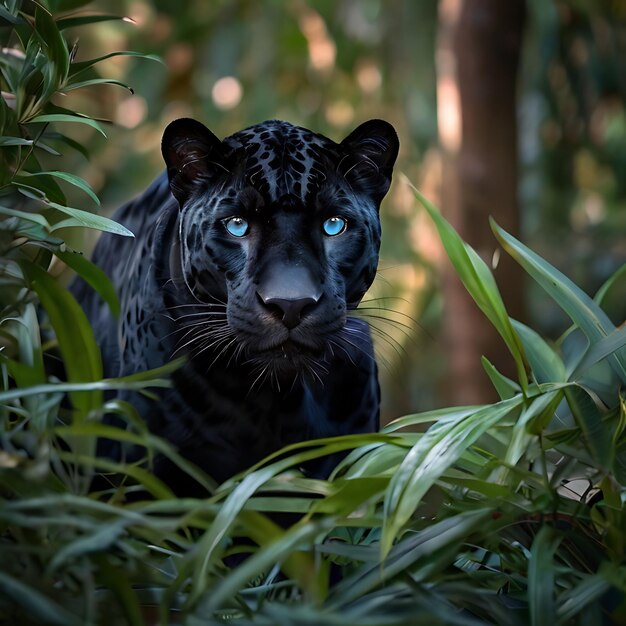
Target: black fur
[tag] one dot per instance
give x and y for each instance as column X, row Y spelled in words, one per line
column 272, row 355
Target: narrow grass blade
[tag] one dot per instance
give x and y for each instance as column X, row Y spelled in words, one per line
column 479, row 282
column 583, row 311
column 78, row 346
column 612, row 343
column 545, row 364
column 89, row 220
column 505, row 387
column 62, row 117
column 72, row 179
column 94, row 276
column 541, row 576
column 588, row 417
column 434, row 453
column 37, row 605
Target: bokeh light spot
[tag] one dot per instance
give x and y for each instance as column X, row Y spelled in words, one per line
column 227, row 93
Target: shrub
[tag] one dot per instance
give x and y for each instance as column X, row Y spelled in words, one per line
column 509, row 513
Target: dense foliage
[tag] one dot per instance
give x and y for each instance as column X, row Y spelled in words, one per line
column 509, row 513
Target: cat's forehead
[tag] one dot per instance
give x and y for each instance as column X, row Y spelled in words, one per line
column 282, row 159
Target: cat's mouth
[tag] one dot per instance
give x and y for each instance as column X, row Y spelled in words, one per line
column 292, row 349
column 289, row 358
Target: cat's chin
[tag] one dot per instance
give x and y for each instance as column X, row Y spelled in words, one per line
column 289, row 360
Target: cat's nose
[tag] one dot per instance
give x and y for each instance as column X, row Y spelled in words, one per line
column 291, row 309
column 289, row 292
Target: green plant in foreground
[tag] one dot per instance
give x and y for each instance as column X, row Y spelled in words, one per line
column 510, row 513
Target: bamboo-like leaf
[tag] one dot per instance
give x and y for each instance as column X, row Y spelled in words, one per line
column 541, row 576
column 101, row 540
column 88, row 220
column 618, row 275
column 505, row 387
column 429, row 546
column 36, row 604
column 479, row 282
column 119, row 582
column 75, row 145
column 82, row 20
column 42, row 189
column 572, row 603
column 147, row 440
column 72, row 86
column 55, row 47
column 94, row 276
column 449, row 414
column 72, row 179
column 37, row 218
column 11, row 18
column 434, row 453
column 77, row 68
column 589, row 419
column 583, row 311
column 15, row 141
column 278, row 547
column 64, row 117
column 100, row 385
column 81, row 354
column 545, row 363
column 144, row 477
column 611, row 344
column 351, row 494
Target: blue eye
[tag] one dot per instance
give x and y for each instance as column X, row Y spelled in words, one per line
column 334, row 226
column 236, row 226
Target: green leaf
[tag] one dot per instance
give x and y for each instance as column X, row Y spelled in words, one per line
column 596, row 435
column 11, row 18
column 143, row 439
column 94, row 276
column 69, row 142
column 440, row 446
column 143, row 476
column 102, row 540
column 89, row 220
column 348, row 495
column 611, row 344
column 429, row 549
column 82, row 20
column 619, row 274
column 55, row 48
column 15, row 141
column 61, row 6
column 72, row 179
column 43, row 189
column 279, row 547
column 590, row 588
column 541, row 578
column 545, row 363
column 120, row 583
column 64, row 117
column 100, row 385
column 77, row 68
column 583, row 311
column 72, row 86
column 36, row 605
column 505, row 387
column 479, row 282
column 77, row 344
column 37, row 218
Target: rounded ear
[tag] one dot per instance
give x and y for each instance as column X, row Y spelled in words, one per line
column 193, row 155
column 368, row 155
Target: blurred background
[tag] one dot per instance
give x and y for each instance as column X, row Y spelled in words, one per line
column 514, row 110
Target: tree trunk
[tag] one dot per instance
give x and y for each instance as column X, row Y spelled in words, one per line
column 478, row 55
